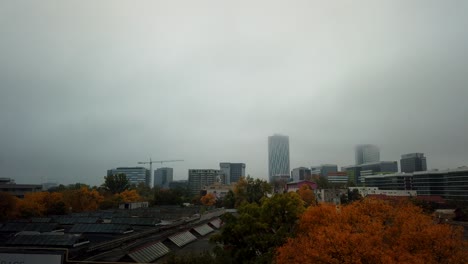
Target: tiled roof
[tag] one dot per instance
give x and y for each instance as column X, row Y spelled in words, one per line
column 149, row 253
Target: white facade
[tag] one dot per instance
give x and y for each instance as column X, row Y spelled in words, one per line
column 364, row 191
column 278, row 156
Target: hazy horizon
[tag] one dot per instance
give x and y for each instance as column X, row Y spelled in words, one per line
column 87, row 86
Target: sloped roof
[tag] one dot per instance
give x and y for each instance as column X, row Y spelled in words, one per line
column 149, row 252
column 48, row 239
column 183, row 238
column 101, row 228
column 203, row 229
column 216, row 223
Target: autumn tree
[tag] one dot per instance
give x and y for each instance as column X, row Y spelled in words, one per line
column 372, row 231
column 40, row 204
column 128, row 196
column 82, row 199
column 116, row 183
column 208, row 199
column 7, row 206
column 307, row 195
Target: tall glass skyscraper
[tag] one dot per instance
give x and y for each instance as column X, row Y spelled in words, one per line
column 278, row 156
column 367, row 154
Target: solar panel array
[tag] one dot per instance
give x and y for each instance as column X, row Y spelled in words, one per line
column 67, row 240
column 67, row 220
column 203, row 229
column 149, row 253
column 101, row 228
column 41, row 219
column 137, row 221
column 14, row 227
column 182, row 239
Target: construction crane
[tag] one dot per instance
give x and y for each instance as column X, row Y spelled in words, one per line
column 150, row 162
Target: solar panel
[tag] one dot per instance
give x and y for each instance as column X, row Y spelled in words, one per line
column 137, row 221
column 41, row 219
column 101, row 228
column 149, row 253
column 182, row 239
column 75, row 220
column 203, row 229
column 67, row 240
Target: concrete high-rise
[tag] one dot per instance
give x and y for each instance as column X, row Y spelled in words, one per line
column 231, row 172
column 278, row 156
column 413, row 162
column 162, row 177
column 301, row 174
column 198, row 179
column 366, row 154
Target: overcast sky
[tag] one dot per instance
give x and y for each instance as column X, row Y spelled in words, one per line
column 86, row 86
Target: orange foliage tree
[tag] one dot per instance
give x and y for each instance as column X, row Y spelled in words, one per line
column 372, row 231
column 128, row 196
column 7, row 205
column 307, row 195
column 40, row 204
column 82, row 199
column 208, row 199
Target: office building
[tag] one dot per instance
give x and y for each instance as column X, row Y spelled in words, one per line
column 355, row 172
column 135, row 175
column 278, row 156
column 198, row 179
column 301, row 174
column 367, row 154
column 413, row 162
column 338, row 177
column 163, row 177
column 19, row 190
column 324, row 169
column 451, row 184
column 231, row 172
column 394, row 181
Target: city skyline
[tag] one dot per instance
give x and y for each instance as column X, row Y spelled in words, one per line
column 89, row 86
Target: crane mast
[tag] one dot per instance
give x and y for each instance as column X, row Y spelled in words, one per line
column 150, row 162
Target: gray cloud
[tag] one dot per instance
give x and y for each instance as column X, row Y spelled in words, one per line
column 87, row 86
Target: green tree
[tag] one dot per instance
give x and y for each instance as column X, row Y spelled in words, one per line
column 258, row 229
column 248, row 190
column 116, row 183
column 229, row 201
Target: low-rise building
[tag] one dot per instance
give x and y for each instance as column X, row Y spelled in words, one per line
column 19, row 190
column 296, row 185
column 218, row 189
